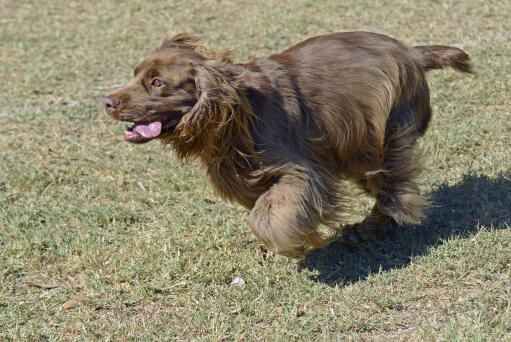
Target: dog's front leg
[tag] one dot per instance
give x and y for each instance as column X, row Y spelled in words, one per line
column 286, row 217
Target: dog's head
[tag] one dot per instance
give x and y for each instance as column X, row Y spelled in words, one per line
column 178, row 93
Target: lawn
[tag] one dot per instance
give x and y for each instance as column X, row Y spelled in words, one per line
column 103, row 240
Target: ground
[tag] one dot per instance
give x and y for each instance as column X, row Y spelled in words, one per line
column 103, row 240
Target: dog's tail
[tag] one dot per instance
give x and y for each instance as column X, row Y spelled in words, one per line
column 442, row 56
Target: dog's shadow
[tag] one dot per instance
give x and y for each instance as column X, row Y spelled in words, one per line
column 458, row 210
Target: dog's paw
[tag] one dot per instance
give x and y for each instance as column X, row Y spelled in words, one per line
column 293, row 253
column 355, row 234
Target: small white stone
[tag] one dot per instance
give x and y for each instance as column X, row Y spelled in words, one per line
column 238, row 281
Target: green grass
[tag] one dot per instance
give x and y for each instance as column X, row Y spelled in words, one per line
column 139, row 242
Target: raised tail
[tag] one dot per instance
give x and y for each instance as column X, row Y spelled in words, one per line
column 442, row 56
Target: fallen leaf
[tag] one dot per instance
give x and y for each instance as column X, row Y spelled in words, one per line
column 70, row 303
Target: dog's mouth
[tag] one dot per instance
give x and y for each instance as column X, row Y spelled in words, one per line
column 140, row 133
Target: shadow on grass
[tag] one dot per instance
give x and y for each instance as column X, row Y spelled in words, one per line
column 458, row 210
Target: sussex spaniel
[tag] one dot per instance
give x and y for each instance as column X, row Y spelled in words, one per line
column 279, row 133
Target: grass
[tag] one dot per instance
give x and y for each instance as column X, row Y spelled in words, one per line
column 102, row 240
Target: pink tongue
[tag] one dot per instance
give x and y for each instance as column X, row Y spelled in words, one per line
column 149, row 131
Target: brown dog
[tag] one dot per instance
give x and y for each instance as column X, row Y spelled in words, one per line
column 279, row 133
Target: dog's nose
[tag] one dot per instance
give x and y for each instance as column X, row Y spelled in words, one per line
column 110, row 104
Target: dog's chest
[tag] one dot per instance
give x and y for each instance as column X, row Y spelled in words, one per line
column 229, row 184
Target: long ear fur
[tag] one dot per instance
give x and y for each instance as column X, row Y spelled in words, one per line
column 187, row 41
column 219, row 125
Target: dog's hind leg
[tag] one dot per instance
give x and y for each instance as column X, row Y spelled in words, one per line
column 396, row 191
column 286, row 217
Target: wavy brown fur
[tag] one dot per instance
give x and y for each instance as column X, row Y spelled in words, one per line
column 279, row 133
column 441, row 56
column 187, row 41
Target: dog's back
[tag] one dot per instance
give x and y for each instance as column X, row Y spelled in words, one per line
column 359, row 88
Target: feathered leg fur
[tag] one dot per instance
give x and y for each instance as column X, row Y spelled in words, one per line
column 396, row 191
column 287, row 216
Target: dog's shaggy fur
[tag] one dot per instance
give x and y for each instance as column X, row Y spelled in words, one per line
column 279, row 133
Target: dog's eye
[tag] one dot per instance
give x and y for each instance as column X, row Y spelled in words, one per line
column 156, row 83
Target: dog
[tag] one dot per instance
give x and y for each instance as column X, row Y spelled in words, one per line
column 278, row 134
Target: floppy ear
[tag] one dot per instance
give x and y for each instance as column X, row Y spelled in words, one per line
column 218, row 81
column 222, row 110
column 223, row 88
column 220, row 124
column 220, row 91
